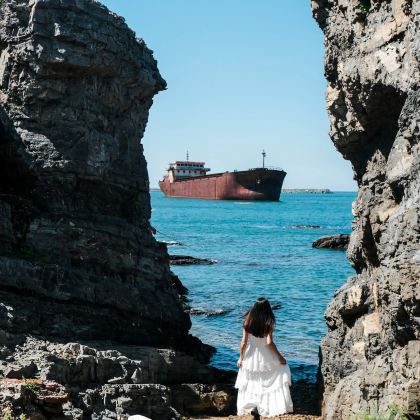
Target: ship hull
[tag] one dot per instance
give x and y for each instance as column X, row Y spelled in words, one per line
column 255, row 184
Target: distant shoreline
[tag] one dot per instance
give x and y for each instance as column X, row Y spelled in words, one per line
column 307, row 190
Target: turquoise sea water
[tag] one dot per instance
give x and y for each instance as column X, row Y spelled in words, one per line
column 260, row 252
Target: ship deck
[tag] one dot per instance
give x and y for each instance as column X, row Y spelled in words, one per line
column 228, row 172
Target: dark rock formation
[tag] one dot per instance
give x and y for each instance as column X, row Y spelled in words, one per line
column 78, row 260
column 371, row 354
column 76, row 88
column 340, row 241
column 188, row 260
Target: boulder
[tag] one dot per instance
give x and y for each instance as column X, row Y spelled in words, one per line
column 340, row 241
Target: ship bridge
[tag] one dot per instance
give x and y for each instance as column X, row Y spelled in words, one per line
column 181, row 169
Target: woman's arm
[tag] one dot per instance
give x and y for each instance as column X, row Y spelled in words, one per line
column 243, row 347
column 273, row 348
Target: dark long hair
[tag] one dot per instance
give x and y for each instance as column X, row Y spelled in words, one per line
column 259, row 320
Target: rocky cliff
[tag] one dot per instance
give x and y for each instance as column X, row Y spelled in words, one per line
column 78, row 261
column 75, row 91
column 371, row 354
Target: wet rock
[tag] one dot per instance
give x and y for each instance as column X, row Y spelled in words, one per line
column 372, row 68
column 208, row 312
column 188, row 260
column 340, row 241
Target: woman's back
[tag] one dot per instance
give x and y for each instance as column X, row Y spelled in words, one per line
column 258, row 356
column 264, row 377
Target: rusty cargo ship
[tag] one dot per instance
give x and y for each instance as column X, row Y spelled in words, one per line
column 187, row 179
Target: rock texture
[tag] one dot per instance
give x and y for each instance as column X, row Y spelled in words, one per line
column 371, row 354
column 78, row 261
column 75, row 91
column 108, row 381
column 340, row 241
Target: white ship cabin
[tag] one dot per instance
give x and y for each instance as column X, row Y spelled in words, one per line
column 186, row 169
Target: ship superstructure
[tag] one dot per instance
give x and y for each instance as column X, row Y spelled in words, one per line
column 182, row 169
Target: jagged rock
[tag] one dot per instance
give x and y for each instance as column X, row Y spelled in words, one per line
column 118, row 380
column 80, row 365
column 332, row 242
column 371, row 352
column 34, row 398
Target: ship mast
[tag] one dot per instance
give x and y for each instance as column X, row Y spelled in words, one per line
column 264, row 155
column 188, row 156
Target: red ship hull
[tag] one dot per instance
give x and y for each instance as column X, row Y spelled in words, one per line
column 255, row 184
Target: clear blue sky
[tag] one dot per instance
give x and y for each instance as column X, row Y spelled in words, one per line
column 242, row 75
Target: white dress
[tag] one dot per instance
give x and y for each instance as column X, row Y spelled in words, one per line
column 262, row 381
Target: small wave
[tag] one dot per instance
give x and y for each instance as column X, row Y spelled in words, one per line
column 276, row 305
column 172, row 243
column 303, row 227
column 265, row 227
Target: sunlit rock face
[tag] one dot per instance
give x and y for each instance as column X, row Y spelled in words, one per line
column 78, row 259
column 371, row 354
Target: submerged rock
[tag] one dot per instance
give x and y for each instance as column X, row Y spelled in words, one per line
column 372, row 348
column 208, row 312
column 188, row 260
column 340, row 241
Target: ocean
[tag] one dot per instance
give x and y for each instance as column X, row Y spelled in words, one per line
column 262, row 249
